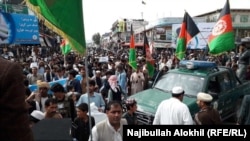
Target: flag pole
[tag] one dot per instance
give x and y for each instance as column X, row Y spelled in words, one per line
column 206, row 49
column 65, row 60
column 87, row 79
column 87, row 84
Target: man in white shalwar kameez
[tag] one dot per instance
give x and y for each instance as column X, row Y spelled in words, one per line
column 172, row 111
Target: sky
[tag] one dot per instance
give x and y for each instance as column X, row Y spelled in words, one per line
column 99, row 15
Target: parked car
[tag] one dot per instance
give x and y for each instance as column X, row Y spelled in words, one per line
column 194, row 76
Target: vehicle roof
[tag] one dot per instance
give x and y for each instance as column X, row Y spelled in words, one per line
column 198, row 72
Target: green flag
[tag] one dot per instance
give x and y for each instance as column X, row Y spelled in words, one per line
column 65, row 47
column 64, row 17
column 187, row 32
column 222, row 36
column 132, row 53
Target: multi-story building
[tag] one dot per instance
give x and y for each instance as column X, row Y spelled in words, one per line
column 13, row 6
column 46, row 36
column 121, row 31
column 159, row 32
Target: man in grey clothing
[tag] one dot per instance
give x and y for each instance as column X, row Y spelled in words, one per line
column 244, row 58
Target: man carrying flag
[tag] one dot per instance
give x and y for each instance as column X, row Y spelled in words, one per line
column 187, row 32
column 222, row 37
column 149, row 59
column 132, row 54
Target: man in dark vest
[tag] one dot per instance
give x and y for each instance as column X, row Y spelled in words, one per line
column 207, row 114
column 65, row 104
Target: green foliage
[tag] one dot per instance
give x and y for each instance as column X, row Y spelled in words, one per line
column 96, row 38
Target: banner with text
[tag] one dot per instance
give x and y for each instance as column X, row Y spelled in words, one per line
column 18, row 29
column 199, row 41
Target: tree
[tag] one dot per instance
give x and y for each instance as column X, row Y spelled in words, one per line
column 96, row 38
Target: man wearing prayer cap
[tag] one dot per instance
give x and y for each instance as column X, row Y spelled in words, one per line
column 207, row 114
column 34, row 75
column 177, row 91
column 204, row 97
column 35, row 117
column 173, row 111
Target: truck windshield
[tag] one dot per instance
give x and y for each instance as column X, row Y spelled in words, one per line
column 191, row 84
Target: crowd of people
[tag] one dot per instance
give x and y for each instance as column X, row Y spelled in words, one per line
column 106, row 84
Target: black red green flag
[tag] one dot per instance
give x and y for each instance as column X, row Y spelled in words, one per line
column 132, row 54
column 149, row 59
column 187, row 32
column 222, row 36
column 65, row 47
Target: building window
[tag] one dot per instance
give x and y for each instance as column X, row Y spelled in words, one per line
column 214, row 18
column 244, row 18
column 233, row 18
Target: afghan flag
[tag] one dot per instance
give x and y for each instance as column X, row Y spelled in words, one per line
column 65, row 47
column 64, row 17
column 222, row 36
column 132, row 54
column 149, row 59
column 187, row 32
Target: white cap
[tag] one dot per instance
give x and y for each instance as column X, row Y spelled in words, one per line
column 37, row 114
column 33, row 65
column 177, row 90
column 80, row 65
column 69, row 94
column 76, row 69
column 204, row 97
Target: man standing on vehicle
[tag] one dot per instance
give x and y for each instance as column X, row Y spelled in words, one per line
column 244, row 58
column 172, row 111
column 207, row 114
